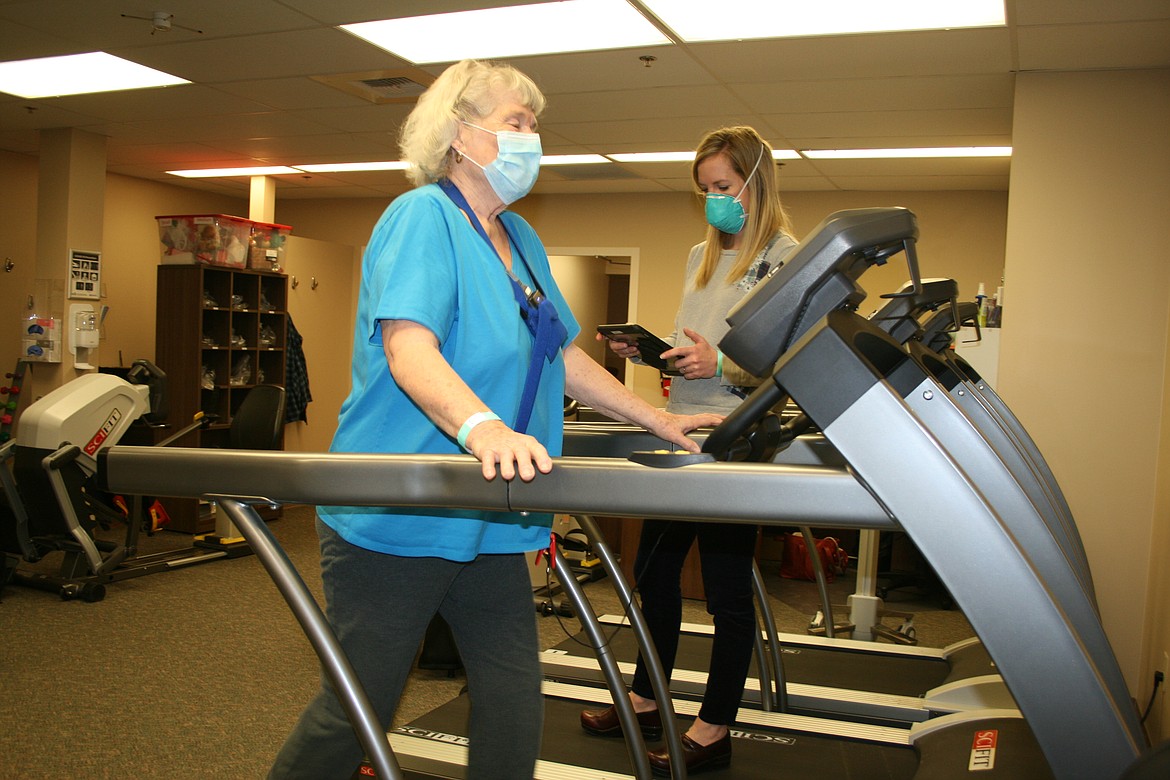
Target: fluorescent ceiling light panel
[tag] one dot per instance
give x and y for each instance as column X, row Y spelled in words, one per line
column 388, row 165
column 695, row 20
column 79, row 74
column 644, row 157
column 513, row 31
column 884, row 154
column 573, row 159
column 209, row 173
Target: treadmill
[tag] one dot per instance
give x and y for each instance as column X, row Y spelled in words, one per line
column 889, row 684
column 862, row 390
column 878, row 388
column 990, row 474
column 841, row 678
column 846, row 679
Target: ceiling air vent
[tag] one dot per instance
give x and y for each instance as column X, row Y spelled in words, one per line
column 388, row 86
column 394, row 87
column 588, row 172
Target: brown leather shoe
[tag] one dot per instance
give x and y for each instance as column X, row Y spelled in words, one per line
column 605, row 723
column 698, row 757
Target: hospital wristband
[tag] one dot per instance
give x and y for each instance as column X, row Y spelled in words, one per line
column 719, row 364
column 473, row 421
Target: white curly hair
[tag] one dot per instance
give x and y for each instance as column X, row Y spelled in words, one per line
column 465, row 92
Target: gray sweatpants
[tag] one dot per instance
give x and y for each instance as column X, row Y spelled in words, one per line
column 380, row 605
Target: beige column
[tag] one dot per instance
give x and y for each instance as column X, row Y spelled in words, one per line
column 70, row 209
column 1084, row 354
column 262, row 199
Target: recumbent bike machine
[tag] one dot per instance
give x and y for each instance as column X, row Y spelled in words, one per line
column 52, row 500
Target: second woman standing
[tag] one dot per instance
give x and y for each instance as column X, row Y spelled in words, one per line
column 747, row 235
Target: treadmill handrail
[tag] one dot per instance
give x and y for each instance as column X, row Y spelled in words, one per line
column 821, row 496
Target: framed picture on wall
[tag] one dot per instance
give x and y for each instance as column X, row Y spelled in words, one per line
column 85, row 272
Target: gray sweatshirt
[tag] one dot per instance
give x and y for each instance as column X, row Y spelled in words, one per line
column 705, row 312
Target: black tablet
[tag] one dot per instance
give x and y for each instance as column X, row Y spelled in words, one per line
column 649, row 345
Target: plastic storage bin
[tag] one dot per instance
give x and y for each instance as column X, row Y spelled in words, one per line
column 212, row 239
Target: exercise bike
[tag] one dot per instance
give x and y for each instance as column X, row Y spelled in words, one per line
column 52, row 500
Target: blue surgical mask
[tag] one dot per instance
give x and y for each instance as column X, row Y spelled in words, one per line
column 725, row 212
column 514, row 171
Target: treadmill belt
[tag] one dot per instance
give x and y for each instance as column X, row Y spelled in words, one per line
column 836, row 668
column 756, row 753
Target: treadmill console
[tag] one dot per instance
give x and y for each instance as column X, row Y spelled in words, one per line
column 818, row 276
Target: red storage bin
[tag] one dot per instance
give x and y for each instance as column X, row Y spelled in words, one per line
column 212, row 239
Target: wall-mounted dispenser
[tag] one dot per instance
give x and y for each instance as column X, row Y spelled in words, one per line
column 83, row 333
column 40, row 339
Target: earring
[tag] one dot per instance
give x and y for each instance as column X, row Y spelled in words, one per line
column 458, row 156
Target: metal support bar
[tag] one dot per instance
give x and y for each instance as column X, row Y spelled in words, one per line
column 773, row 683
column 370, row 731
column 814, row 556
column 1064, row 523
column 635, row 744
column 659, row 681
column 52, row 465
column 19, row 515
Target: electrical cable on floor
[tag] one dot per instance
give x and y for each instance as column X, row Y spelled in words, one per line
column 1158, row 677
column 625, row 604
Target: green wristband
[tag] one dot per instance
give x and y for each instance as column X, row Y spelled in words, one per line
column 473, row 421
column 719, row 364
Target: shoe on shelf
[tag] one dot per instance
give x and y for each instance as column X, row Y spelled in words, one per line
column 697, row 757
column 605, row 723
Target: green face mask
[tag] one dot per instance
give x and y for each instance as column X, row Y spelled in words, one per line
column 725, row 212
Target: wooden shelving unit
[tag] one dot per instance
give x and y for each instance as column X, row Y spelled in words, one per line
column 218, row 333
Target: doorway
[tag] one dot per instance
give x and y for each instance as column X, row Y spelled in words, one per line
column 600, row 286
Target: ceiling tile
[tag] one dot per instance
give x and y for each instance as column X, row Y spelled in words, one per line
column 921, row 183
column 306, row 148
column 616, row 70
column 264, row 56
column 926, row 53
column 847, row 127
column 101, row 24
column 1034, row 12
column 288, row 94
column 879, row 94
column 1089, row 47
column 254, row 100
column 662, row 102
column 188, row 101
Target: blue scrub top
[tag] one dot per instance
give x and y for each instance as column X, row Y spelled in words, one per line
column 427, row 264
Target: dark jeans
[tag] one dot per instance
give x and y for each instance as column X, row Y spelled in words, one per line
column 726, row 552
column 380, row 605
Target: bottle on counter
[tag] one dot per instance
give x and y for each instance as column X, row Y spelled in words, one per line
column 995, row 309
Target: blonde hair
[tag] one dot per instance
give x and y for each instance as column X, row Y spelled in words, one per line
column 743, row 146
column 465, row 92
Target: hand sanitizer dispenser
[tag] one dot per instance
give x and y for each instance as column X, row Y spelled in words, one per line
column 83, row 333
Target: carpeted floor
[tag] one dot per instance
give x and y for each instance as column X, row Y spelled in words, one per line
column 201, row 672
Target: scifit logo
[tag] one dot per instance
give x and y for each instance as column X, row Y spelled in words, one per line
column 983, row 751
column 103, row 432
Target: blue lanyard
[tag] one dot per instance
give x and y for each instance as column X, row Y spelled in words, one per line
column 538, row 312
